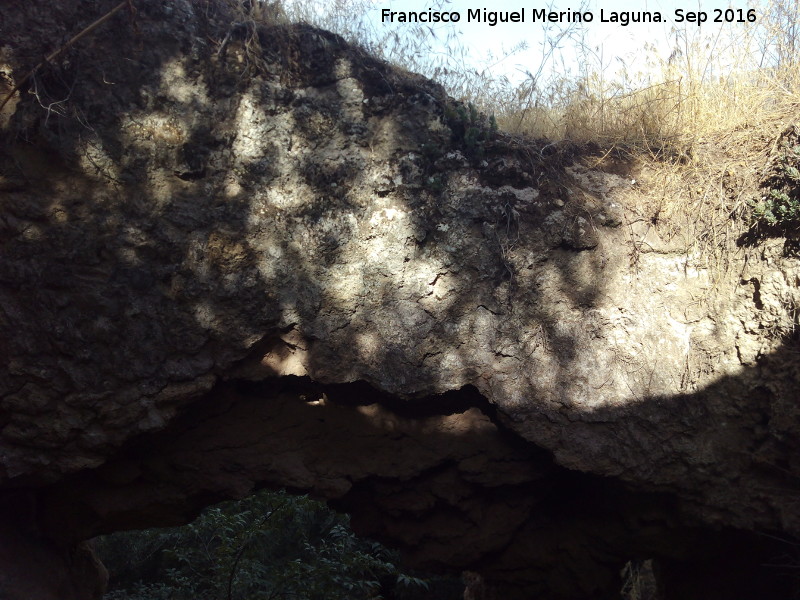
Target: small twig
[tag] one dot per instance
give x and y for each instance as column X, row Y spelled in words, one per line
column 54, row 55
column 240, row 553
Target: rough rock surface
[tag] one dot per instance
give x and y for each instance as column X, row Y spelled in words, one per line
column 235, row 255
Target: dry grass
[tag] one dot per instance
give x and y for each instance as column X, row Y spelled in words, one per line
column 700, row 125
column 638, row 581
column 708, row 85
column 698, row 121
column 746, row 76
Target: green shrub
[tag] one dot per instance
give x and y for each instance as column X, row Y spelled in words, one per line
column 780, row 206
column 471, row 129
column 268, row 546
column 777, row 208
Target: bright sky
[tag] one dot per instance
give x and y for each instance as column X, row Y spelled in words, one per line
column 610, row 43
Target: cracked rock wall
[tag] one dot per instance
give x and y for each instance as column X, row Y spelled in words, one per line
column 189, row 201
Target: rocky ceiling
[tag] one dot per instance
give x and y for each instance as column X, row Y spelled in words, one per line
column 237, row 255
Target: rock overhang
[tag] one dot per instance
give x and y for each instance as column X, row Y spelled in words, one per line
column 218, row 218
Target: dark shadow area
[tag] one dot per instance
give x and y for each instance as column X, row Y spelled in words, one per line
column 183, row 192
column 416, row 483
column 757, row 233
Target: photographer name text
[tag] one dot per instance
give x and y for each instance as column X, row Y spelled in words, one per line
column 541, row 15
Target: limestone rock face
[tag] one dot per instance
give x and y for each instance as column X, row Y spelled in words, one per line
column 235, row 255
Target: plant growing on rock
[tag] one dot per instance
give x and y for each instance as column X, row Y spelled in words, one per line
column 470, row 128
column 780, row 205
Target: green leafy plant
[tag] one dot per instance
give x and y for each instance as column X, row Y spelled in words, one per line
column 471, row 128
column 777, row 208
column 267, row 547
column 780, row 206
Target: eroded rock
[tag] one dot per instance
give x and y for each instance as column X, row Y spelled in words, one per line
column 240, row 255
